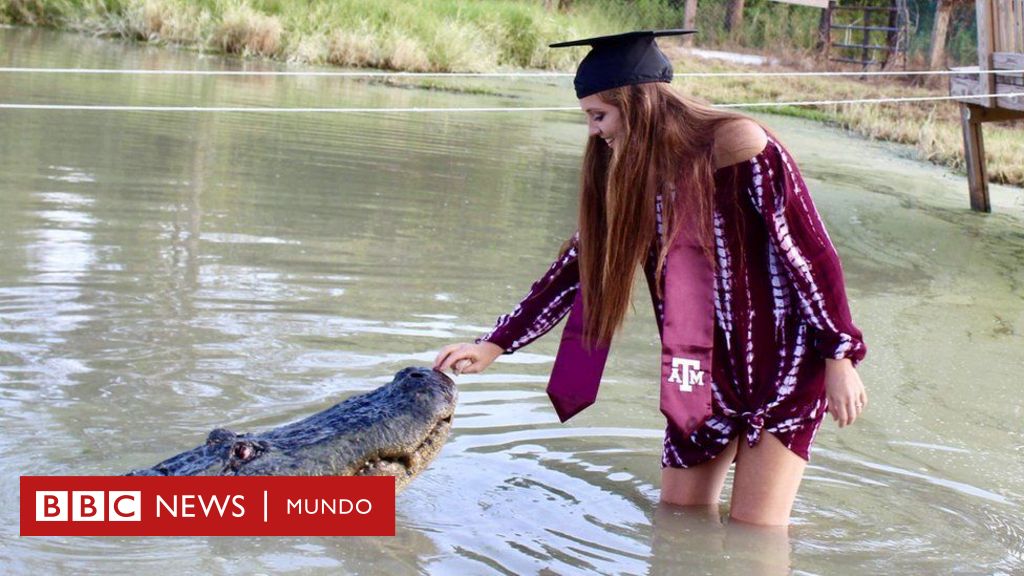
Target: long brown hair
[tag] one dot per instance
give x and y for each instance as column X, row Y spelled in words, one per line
column 666, row 145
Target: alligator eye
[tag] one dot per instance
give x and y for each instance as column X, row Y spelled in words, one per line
column 245, row 451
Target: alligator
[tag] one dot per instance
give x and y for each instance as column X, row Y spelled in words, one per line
column 395, row 430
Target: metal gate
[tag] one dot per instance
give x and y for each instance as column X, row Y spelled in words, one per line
column 867, row 33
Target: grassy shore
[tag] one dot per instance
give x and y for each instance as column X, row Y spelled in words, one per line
column 933, row 128
column 488, row 35
column 412, row 35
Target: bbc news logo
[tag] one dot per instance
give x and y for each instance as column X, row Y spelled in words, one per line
column 89, row 506
column 207, row 506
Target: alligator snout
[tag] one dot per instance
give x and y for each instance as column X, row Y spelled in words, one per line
column 396, row 430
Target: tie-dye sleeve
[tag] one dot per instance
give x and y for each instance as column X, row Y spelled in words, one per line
column 548, row 301
column 798, row 237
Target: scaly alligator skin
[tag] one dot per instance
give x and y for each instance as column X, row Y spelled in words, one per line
column 396, row 430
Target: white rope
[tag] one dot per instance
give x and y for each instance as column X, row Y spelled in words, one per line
column 837, row 73
column 113, row 108
column 870, row 100
column 342, row 74
column 104, row 108
column 328, row 73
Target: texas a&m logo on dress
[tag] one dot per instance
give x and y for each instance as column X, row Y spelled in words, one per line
column 686, row 373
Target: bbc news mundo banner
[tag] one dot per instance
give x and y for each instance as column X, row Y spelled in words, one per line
column 207, row 506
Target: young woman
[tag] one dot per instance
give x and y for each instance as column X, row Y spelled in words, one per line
column 757, row 339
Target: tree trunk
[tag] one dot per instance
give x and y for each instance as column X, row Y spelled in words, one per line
column 689, row 19
column 734, row 17
column 943, row 11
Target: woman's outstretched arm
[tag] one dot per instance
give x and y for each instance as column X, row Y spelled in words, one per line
column 549, row 300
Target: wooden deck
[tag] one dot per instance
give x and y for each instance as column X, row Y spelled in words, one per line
column 977, row 88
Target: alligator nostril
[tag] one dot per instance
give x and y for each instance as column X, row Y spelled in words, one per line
column 416, row 375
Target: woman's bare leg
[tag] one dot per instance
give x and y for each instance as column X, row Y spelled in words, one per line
column 700, row 485
column 767, row 478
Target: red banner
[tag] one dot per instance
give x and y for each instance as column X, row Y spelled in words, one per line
column 207, row 506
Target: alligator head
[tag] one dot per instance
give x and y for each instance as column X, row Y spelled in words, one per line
column 395, row 430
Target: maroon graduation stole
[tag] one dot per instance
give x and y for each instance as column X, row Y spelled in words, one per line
column 688, row 333
column 577, row 372
column 687, row 340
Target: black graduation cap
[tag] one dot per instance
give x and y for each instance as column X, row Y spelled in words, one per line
column 621, row 60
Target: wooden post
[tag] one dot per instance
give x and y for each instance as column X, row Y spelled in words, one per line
column 892, row 38
column 865, row 56
column 1019, row 14
column 986, row 81
column 974, row 152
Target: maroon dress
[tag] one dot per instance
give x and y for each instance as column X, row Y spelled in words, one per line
column 780, row 311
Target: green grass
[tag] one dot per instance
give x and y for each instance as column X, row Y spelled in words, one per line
column 431, row 35
column 416, row 35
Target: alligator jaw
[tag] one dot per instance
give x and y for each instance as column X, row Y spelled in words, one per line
column 404, row 466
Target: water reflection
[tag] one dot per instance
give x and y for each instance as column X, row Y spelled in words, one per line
column 696, row 540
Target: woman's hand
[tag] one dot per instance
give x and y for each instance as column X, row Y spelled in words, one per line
column 467, row 358
column 844, row 391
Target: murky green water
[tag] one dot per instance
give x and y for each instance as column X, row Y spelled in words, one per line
column 165, row 273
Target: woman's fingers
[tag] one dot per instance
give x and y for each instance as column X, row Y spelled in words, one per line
column 442, row 356
column 840, row 414
column 851, row 414
column 857, row 405
column 465, row 358
column 847, row 411
column 454, row 359
column 457, row 358
column 444, row 353
column 845, row 391
column 450, row 355
column 860, row 402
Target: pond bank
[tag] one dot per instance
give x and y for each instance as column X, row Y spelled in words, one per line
column 456, row 35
